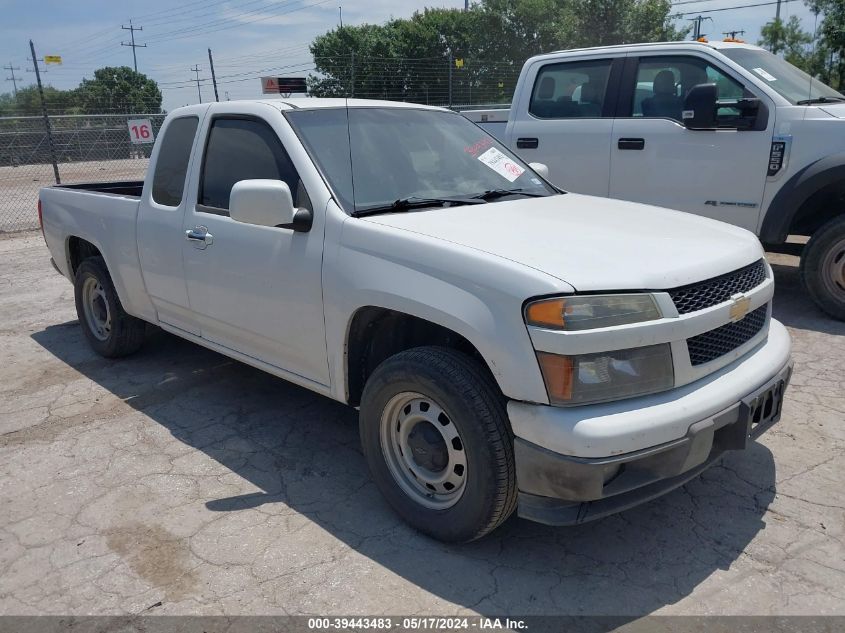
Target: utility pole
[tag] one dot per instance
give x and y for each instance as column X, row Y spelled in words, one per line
column 213, row 77
column 451, row 62
column 697, row 34
column 13, row 79
column 777, row 26
column 196, row 69
column 132, row 43
column 732, row 34
column 35, row 61
column 340, row 12
column 353, row 75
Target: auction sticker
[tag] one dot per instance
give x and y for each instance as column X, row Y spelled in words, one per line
column 501, row 164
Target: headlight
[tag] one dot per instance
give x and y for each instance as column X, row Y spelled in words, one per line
column 586, row 312
column 607, row 375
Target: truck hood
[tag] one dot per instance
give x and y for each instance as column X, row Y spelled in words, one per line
column 591, row 243
column 834, row 109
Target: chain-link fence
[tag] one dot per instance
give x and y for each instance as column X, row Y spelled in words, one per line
column 87, row 148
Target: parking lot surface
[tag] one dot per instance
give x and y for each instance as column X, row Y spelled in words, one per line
column 178, row 481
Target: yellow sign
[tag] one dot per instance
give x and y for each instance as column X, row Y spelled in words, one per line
column 459, row 63
column 52, row 59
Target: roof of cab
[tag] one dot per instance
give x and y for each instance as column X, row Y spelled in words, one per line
column 621, row 47
column 313, row 103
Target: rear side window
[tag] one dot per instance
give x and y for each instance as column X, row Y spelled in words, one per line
column 571, row 90
column 172, row 162
column 244, row 149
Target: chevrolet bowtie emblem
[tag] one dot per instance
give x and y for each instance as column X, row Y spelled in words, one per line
column 740, row 306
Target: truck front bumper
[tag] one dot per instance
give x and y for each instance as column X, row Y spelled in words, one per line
column 565, row 489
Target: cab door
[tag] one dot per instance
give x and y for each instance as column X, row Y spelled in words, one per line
column 563, row 117
column 717, row 173
column 160, row 218
column 255, row 289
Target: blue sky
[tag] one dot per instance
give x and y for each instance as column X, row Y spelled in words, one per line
column 248, row 37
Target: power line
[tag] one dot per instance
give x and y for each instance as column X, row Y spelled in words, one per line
column 13, row 79
column 733, row 8
column 132, row 30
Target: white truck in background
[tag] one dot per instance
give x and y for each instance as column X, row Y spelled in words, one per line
column 510, row 346
column 720, row 129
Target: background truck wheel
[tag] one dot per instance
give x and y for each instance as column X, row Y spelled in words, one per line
column 823, row 267
column 109, row 330
column 435, row 435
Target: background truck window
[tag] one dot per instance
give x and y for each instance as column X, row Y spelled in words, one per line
column 172, row 163
column 570, row 90
column 663, row 82
column 244, row 149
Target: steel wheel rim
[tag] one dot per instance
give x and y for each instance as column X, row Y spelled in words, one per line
column 833, row 266
column 96, row 309
column 423, row 450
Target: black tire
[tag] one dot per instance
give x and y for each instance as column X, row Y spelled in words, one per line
column 468, row 394
column 823, row 267
column 126, row 333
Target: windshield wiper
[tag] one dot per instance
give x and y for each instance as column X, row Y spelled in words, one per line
column 414, row 202
column 820, row 100
column 492, row 194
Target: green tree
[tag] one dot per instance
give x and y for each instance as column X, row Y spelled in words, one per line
column 829, row 63
column 118, row 89
column 408, row 58
column 788, row 39
column 28, row 103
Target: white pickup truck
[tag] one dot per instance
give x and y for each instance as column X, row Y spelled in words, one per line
column 720, row 129
column 509, row 345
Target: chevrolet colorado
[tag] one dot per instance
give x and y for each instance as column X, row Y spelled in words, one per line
column 509, row 345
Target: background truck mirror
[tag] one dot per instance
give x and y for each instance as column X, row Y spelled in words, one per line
column 700, row 107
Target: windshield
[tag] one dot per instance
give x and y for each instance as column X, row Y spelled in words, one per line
column 792, row 83
column 403, row 153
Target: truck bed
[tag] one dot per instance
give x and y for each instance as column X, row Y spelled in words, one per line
column 129, row 188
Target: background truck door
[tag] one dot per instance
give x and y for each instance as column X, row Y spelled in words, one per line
column 160, row 218
column 254, row 289
column 563, row 118
column 656, row 160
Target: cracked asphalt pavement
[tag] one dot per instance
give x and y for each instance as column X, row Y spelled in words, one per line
column 178, row 481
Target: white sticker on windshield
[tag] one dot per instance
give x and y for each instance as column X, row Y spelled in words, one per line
column 765, row 75
column 501, row 164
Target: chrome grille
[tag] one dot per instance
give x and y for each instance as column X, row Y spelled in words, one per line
column 705, row 294
column 715, row 343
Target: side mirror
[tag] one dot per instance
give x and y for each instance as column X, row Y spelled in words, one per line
column 265, row 202
column 700, row 107
column 541, row 168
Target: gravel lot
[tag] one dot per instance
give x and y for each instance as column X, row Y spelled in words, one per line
column 178, row 481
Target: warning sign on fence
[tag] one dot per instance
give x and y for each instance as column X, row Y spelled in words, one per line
column 140, row 130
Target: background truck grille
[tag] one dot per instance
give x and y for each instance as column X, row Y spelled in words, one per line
column 715, row 343
column 705, row 294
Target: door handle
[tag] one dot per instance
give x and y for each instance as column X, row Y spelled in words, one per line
column 631, row 143
column 527, row 143
column 199, row 236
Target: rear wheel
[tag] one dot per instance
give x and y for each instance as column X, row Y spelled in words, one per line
column 823, row 267
column 435, row 434
column 109, row 329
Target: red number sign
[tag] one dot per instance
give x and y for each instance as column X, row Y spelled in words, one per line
column 140, row 130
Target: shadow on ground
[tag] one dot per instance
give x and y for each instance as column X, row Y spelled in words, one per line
column 793, row 306
column 301, row 450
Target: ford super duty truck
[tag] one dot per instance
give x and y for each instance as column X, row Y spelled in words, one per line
column 509, row 345
column 721, row 129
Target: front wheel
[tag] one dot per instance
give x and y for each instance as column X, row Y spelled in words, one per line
column 435, row 435
column 823, row 267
